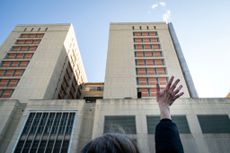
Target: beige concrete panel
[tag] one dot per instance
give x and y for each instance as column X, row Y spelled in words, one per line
column 171, row 60
column 120, row 78
column 7, row 44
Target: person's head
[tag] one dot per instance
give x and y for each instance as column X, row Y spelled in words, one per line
column 111, row 143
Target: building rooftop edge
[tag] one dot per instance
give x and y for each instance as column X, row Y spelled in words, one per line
column 125, row 23
column 52, row 24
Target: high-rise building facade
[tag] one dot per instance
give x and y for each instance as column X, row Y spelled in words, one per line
column 141, row 54
column 41, row 62
column 50, row 107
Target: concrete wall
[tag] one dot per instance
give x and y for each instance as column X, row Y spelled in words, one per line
column 120, row 75
column 82, row 125
column 89, row 121
column 10, row 115
column 196, row 142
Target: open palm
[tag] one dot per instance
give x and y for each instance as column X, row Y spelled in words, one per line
column 171, row 92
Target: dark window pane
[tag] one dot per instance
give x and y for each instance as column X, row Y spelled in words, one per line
column 42, row 146
column 27, row 146
column 35, row 123
column 19, row 146
column 57, row 146
column 126, row 124
column 56, row 122
column 214, row 123
column 63, row 123
column 34, row 146
column 50, row 146
column 70, row 124
column 180, row 121
column 42, row 123
column 28, row 124
column 65, row 146
column 152, row 122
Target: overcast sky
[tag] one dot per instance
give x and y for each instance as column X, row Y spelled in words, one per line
column 202, row 27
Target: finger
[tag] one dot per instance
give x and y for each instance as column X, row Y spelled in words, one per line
column 175, row 84
column 177, row 90
column 177, row 96
column 158, row 88
column 169, row 83
column 171, row 102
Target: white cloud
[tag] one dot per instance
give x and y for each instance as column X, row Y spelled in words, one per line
column 166, row 16
column 154, row 6
column 162, row 3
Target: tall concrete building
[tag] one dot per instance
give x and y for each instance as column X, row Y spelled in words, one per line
column 41, row 62
column 48, row 106
column 141, row 54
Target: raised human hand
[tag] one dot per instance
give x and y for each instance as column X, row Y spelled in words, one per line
column 167, row 96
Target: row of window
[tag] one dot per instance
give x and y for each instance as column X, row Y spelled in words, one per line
column 36, row 41
column 147, row 46
column 8, row 82
column 14, row 63
column 147, row 92
column 32, row 35
column 68, row 88
column 146, row 40
column 148, row 54
column 6, row 93
column 36, row 29
column 149, row 62
column 145, row 33
column 68, row 91
column 11, row 72
column 19, row 55
column 46, row 132
column 140, row 27
column 208, row 123
column 152, row 80
column 151, row 71
column 23, row 48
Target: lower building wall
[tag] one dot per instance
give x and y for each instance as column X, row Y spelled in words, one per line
column 10, row 114
column 193, row 142
column 79, row 136
column 90, row 119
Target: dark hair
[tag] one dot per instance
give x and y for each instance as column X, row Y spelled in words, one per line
column 111, row 143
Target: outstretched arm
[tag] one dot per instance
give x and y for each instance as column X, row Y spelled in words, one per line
column 166, row 97
column 167, row 137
